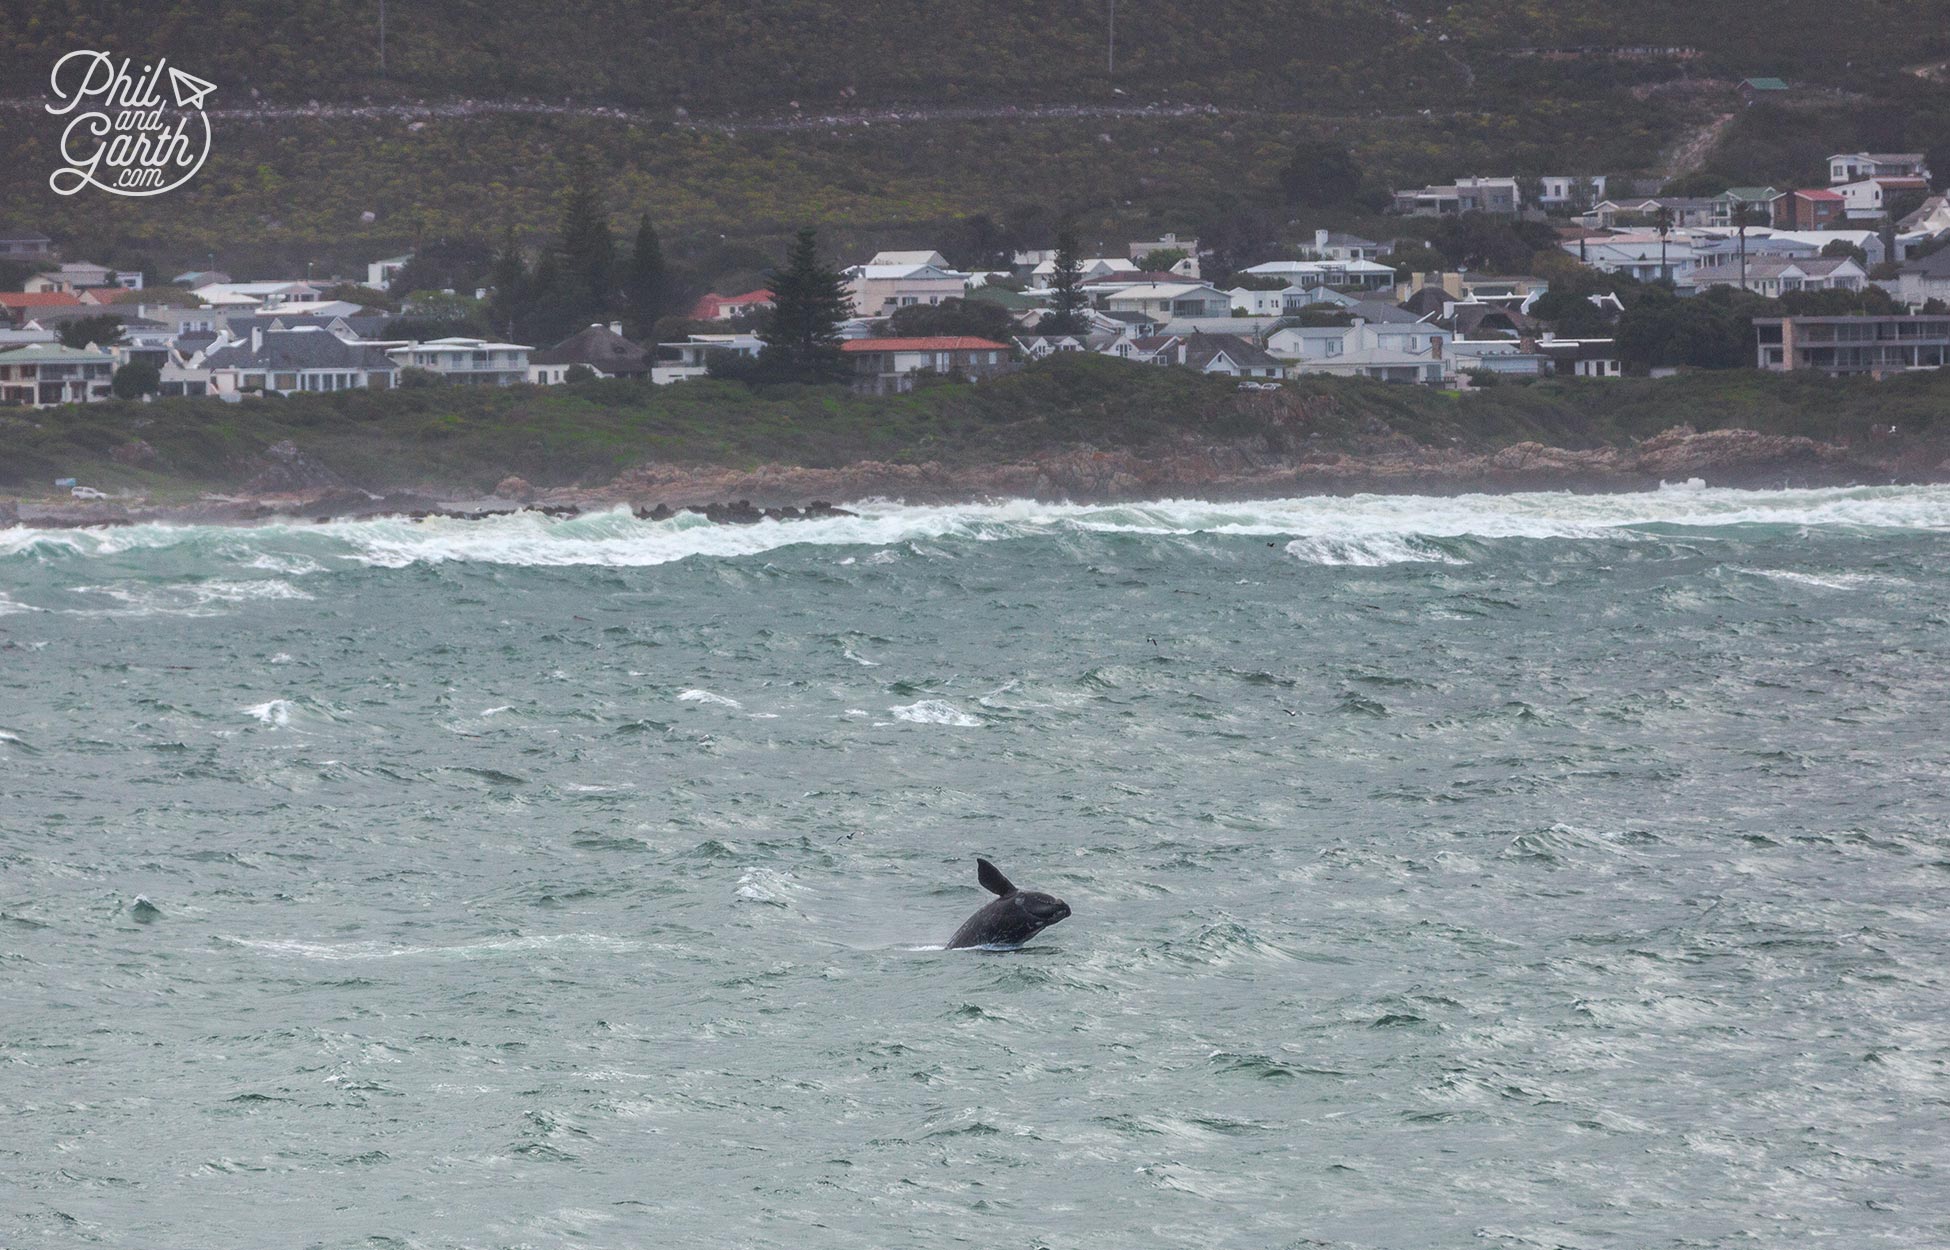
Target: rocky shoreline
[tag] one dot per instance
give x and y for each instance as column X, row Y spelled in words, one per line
column 1730, row 458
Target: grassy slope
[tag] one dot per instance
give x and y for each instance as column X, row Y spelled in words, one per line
column 468, row 439
column 278, row 193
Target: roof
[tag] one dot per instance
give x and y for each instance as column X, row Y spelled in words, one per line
column 52, row 354
column 300, row 349
column 1202, row 349
column 600, row 348
column 1935, row 265
column 1375, row 311
column 1764, row 267
column 1135, row 278
column 38, row 299
column 1164, row 290
column 1819, row 193
column 939, row 343
column 1749, row 193
column 910, row 258
column 1765, row 84
column 923, row 271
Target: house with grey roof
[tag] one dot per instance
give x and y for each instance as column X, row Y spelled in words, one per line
column 601, row 348
column 41, row 375
column 1921, row 281
column 288, row 362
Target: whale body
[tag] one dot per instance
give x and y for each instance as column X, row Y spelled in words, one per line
column 1012, row 919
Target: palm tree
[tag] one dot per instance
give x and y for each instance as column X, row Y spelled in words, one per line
column 1662, row 222
column 1743, row 216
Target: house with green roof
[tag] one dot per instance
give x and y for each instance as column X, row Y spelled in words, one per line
column 1759, row 201
column 42, row 375
column 1752, row 89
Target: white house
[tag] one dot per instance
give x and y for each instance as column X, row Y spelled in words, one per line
column 380, row 273
column 1864, row 200
column 1775, row 276
column 1166, row 301
column 238, row 295
column 78, row 277
column 1341, row 275
column 1565, row 190
column 680, row 362
column 877, row 290
column 287, row 362
column 1637, row 255
column 40, row 375
column 471, row 361
column 1093, row 267
column 1337, row 245
column 1388, row 352
column 1503, row 357
column 1855, row 166
column 1924, row 280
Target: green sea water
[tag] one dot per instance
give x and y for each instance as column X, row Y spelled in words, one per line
column 1530, row 871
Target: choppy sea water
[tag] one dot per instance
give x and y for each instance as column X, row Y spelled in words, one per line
column 1532, row 871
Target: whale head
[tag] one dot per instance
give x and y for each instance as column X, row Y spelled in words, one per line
column 1013, row 918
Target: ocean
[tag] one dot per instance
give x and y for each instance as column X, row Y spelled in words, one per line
column 1523, row 871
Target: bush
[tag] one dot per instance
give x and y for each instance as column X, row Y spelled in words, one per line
column 414, row 378
column 579, row 373
column 136, row 379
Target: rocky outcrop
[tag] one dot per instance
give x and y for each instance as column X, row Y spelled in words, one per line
column 285, row 469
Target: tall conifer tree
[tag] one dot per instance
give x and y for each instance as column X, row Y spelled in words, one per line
column 1066, row 287
column 802, row 334
column 647, row 288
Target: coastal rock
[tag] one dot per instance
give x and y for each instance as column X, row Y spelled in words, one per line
column 515, row 488
column 136, row 453
column 1731, row 455
column 287, row 470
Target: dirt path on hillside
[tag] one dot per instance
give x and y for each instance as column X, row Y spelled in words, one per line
column 1692, row 151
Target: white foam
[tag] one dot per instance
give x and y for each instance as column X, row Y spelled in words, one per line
column 1368, row 552
column 767, row 885
column 936, row 712
column 705, row 696
column 617, row 538
column 342, row 951
column 276, row 713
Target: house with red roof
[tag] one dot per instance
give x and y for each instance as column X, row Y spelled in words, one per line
column 889, row 366
column 1813, row 209
column 20, row 306
column 716, row 307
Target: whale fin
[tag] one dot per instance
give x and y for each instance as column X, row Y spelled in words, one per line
column 992, row 879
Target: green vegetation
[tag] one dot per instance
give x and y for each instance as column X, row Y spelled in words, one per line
column 802, row 332
column 467, row 439
column 1316, row 106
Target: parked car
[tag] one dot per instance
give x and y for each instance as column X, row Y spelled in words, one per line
column 88, row 492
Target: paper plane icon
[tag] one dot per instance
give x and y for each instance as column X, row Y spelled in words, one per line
column 189, row 89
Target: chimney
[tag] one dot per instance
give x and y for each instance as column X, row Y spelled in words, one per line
column 257, row 339
column 616, row 328
column 1320, row 244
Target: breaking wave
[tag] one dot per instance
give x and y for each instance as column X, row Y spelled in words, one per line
column 1357, row 530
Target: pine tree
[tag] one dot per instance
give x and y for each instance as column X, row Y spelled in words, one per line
column 588, row 250
column 647, row 288
column 802, row 336
column 508, row 283
column 1066, row 287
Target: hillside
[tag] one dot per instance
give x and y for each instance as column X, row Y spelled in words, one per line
column 732, row 124
column 718, row 56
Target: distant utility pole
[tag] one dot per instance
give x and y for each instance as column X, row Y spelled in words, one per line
column 1110, row 56
column 382, row 38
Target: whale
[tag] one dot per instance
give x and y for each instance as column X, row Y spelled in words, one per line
column 1012, row 919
